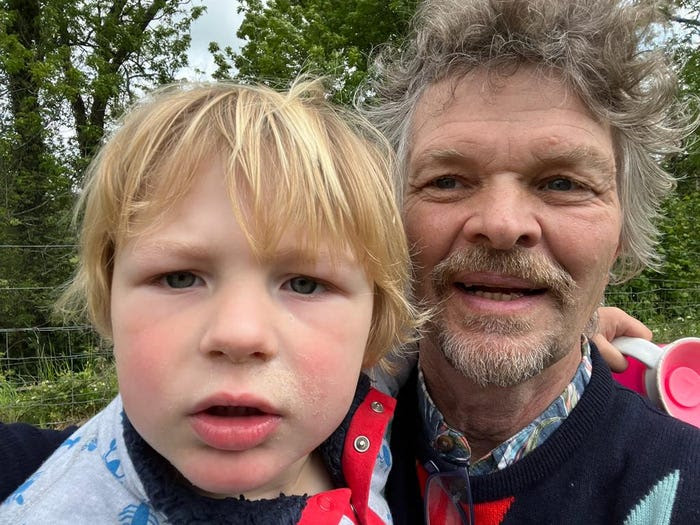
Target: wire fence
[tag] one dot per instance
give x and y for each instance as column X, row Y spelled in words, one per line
column 59, row 375
column 69, row 377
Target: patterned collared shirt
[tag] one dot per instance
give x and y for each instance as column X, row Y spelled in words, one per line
column 452, row 445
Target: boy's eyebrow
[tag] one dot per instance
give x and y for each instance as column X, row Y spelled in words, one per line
column 335, row 257
column 156, row 248
column 298, row 253
column 153, row 249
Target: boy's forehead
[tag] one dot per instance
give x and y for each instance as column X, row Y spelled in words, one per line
column 276, row 227
column 270, row 240
column 295, row 244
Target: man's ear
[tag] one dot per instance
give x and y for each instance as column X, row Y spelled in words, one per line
column 618, row 250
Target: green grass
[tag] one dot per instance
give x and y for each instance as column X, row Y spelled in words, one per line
column 59, row 396
column 682, row 326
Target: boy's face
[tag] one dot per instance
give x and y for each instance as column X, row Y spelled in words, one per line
column 233, row 369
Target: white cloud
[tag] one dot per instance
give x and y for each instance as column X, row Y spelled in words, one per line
column 218, row 24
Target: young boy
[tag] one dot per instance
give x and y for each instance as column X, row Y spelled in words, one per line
column 242, row 250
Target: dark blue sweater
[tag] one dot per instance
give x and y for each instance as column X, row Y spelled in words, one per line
column 616, row 459
column 23, row 448
column 612, row 451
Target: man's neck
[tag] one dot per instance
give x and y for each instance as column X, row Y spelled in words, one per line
column 490, row 415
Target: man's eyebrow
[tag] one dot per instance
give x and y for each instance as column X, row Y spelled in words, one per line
column 586, row 156
column 439, row 156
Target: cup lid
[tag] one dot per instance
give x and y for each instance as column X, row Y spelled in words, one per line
column 679, row 379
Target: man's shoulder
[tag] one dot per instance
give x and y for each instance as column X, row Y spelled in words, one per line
column 631, row 412
column 32, row 437
column 649, row 421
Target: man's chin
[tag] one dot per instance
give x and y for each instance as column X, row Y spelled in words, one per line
column 497, row 359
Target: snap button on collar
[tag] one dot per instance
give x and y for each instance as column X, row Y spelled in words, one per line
column 377, row 407
column 361, row 443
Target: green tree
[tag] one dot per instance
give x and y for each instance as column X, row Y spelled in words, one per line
column 685, row 45
column 329, row 37
column 67, row 69
column 668, row 300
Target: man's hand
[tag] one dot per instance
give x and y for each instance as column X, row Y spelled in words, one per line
column 612, row 323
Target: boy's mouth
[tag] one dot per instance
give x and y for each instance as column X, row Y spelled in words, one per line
column 227, row 405
column 234, row 424
column 233, row 411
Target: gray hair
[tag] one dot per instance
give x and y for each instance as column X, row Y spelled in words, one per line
column 598, row 48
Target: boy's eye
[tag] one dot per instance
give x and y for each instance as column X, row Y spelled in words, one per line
column 180, row 279
column 303, row 285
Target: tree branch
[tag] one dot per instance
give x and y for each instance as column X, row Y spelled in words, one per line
column 686, row 21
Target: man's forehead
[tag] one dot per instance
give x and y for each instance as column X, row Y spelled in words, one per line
column 450, row 116
column 484, row 86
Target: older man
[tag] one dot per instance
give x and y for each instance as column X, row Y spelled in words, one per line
column 529, row 134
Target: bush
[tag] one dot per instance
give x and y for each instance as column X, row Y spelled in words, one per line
column 64, row 398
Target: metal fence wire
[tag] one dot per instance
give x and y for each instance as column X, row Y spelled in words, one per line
column 60, row 375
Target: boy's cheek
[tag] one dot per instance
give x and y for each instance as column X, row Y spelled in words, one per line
column 143, row 359
column 330, row 372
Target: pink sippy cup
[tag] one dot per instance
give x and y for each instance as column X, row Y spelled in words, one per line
column 670, row 377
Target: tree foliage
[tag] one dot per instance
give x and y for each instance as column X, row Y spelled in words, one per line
column 67, row 69
column 669, row 300
column 329, row 37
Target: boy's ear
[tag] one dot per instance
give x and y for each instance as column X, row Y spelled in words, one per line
column 385, row 364
column 368, row 361
column 371, row 360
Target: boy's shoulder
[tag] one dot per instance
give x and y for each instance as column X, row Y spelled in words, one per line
column 400, row 365
column 23, row 448
column 89, row 475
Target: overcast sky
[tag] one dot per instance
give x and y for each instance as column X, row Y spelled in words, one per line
column 219, row 24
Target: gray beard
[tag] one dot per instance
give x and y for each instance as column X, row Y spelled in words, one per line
column 500, row 352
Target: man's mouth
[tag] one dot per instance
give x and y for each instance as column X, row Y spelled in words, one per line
column 502, row 276
column 498, row 294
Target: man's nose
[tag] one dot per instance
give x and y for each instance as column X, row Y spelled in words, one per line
column 504, row 214
column 240, row 324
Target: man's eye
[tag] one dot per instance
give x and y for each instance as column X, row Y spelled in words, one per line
column 561, row 185
column 303, row 285
column 180, row 279
column 445, row 183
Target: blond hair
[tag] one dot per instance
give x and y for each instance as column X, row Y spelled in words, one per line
column 291, row 159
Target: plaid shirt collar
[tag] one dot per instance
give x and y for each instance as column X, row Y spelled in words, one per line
column 452, row 446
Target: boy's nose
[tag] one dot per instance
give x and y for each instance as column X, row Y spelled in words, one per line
column 240, row 326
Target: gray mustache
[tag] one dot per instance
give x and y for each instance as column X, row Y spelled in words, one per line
column 518, row 262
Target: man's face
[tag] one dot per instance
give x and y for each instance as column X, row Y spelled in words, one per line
column 513, row 211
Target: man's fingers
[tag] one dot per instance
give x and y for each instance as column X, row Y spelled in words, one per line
column 613, row 322
column 615, row 359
